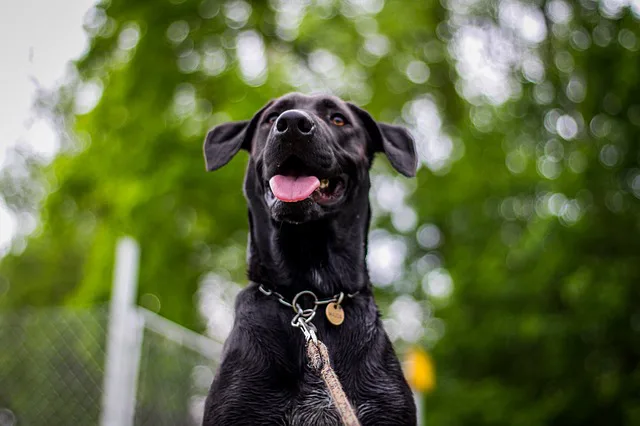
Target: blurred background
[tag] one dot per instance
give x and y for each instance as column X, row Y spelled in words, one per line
column 510, row 266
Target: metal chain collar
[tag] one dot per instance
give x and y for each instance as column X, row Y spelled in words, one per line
column 302, row 318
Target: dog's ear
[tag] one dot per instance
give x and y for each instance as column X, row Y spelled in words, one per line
column 224, row 141
column 395, row 141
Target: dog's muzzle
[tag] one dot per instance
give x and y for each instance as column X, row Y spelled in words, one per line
column 299, row 162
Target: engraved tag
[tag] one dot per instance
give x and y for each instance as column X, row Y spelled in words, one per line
column 334, row 313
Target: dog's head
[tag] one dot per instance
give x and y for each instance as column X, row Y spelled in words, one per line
column 309, row 155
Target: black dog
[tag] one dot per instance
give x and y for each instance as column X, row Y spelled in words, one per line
column 307, row 186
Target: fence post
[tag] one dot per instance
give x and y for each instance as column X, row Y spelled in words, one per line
column 420, row 408
column 124, row 339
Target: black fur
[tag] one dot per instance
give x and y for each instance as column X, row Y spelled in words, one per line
column 263, row 378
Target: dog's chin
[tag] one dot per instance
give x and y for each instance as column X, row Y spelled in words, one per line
column 300, row 212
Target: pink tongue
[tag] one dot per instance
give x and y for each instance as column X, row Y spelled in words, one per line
column 291, row 189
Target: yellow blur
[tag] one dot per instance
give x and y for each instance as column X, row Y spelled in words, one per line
column 419, row 370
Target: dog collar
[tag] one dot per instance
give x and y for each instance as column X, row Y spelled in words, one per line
column 303, row 317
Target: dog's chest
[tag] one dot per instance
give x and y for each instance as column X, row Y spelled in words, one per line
column 313, row 408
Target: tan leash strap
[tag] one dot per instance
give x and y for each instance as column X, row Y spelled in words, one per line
column 320, row 363
column 316, row 350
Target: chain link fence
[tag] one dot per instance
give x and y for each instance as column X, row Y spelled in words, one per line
column 52, row 364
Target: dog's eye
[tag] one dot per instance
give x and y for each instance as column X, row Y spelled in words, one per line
column 271, row 118
column 338, row 120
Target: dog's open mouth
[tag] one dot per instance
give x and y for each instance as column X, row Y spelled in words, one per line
column 291, row 189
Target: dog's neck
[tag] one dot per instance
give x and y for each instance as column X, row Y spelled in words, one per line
column 325, row 256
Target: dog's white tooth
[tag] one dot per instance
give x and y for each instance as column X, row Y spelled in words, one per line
column 324, row 183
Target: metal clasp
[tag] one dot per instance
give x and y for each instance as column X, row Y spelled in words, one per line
column 309, row 330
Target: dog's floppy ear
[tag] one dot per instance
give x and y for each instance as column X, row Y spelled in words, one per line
column 224, row 141
column 395, row 141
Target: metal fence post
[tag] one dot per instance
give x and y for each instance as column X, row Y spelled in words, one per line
column 420, row 407
column 124, row 340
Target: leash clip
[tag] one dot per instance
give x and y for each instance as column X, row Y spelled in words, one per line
column 309, row 330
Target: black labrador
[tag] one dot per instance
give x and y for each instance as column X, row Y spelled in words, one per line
column 307, row 187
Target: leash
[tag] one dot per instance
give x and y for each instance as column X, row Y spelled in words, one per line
column 320, row 363
column 317, row 352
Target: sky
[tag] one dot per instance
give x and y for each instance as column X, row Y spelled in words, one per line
column 38, row 38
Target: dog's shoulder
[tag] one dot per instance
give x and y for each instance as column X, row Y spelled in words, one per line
column 258, row 313
column 262, row 334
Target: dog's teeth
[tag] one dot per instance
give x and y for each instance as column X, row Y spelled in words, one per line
column 324, row 183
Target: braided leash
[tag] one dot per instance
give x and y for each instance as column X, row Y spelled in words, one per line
column 317, row 352
column 320, row 363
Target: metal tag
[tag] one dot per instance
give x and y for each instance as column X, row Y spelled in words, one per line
column 334, row 313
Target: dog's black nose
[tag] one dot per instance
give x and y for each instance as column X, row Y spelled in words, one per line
column 295, row 121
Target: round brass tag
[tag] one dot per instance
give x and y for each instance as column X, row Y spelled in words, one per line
column 334, row 313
